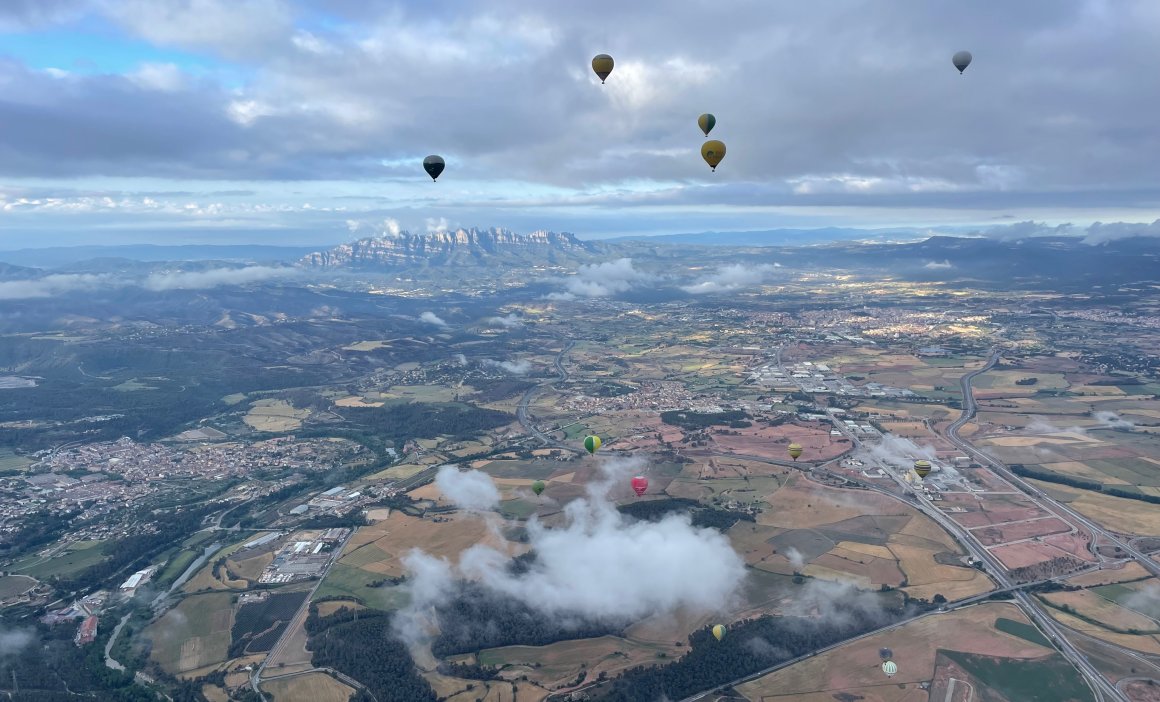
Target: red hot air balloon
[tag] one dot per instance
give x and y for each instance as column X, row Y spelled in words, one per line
column 639, row 485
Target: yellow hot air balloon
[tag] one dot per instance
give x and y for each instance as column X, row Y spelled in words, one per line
column 713, row 151
column 592, row 443
column 795, row 450
column 602, row 65
column 922, row 468
column 719, row 632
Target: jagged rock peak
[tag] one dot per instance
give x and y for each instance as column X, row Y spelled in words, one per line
column 405, row 246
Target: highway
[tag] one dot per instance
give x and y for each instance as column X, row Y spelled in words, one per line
column 522, row 409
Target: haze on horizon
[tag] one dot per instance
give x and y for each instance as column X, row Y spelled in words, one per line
column 305, row 122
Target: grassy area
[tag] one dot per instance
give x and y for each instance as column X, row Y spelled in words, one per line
column 10, row 461
column 13, row 585
column 80, row 555
column 351, row 582
column 1041, row 680
column 177, row 565
column 194, row 634
column 1026, row 632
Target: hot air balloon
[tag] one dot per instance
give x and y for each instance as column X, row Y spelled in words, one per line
column 795, row 450
column 434, row 165
column 592, row 443
column 922, row 468
column 713, row 151
column 639, row 485
column 961, row 60
column 890, row 668
column 706, row 123
column 719, row 632
column 538, row 487
column 885, row 654
column 602, row 64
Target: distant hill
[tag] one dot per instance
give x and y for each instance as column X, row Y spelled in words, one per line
column 782, row 237
column 462, row 247
column 68, row 255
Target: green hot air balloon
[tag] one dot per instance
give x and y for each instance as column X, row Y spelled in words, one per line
column 434, row 165
column 719, row 632
column 592, row 443
column 538, row 487
column 602, row 66
column 706, row 122
column 961, row 60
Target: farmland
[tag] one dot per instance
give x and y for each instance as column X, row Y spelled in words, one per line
column 193, row 635
column 76, row 557
column 314, row 687
column 258, row 625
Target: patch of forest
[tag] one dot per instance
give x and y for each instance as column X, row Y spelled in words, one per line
column 1047, row 476
column 690, row 420
column 258, row 625
column 702, row 516
column 426, row 420
column 342, row 641
column 749, row 646
column 476, row 618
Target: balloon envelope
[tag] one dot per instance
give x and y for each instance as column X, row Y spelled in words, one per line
column 602, row 65
column 706, row 122
column 889, row 668
column 592, row 443
column 434, row 165
column 922, row 468
column 795, row 450
column 961, row 60
column 713, row 151
column 538, row 487
column 639, row 485
column 719, row 632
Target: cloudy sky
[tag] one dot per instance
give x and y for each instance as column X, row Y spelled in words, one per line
column 298, row 121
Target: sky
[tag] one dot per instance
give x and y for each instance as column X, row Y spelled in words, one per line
column 306, row 121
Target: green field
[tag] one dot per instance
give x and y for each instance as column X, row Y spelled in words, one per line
column 1024, row 631
column 518, row 509
column 349, row 582
column 1138, row 599
column 13, row 585
column 194, row 634
column 1050, row 679
column 10, row 461
column 80, row 555
column 176, row 566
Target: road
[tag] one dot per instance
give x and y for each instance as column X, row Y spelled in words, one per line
column 256, row 679
column 522, row 409
column 1100, row 685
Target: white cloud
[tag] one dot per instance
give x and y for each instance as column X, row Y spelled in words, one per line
column 935, row 266
column 199, row 280
column 158, row 76
column 602, row 280
column 509, row 321
column 471, row 489
column 432, row 318
column 1112, row 420
column 598, row 564
column 731, row 278
column 52, row 285
column 520, row 367
column 795, row 558
column 435, row 226
column 234, row 27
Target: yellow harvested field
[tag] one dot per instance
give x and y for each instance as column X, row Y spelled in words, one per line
column 924, row 575
column 399, row 472
column 356, row 401
column 377, row 548
column 823, row 573
column 367, row 346
column 213, row 693
column 1131, row 571
column 1089, row 605
column 561, row 662
column 1021, row 441
column 1142, row 643
column 274, row 416
column 325, row 609
column 250, row 568
column 1115, row 513
column 867, row 549
column 854, row 668
column 1083, row 470
column 315, row 687
column 799, row 504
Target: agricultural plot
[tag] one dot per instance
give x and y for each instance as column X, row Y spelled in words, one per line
column 853, row 671
column 194, row 634
column 75, row 558
column 561, row 663
column 274, row 416
column 13, row 585
column 10, row 461
column 315, row 687
column 1115, row 513
column 259, row 625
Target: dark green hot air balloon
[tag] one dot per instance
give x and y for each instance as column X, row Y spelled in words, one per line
column 706, row 123
column 961, row 60
column 538, row 487
column 434, row 165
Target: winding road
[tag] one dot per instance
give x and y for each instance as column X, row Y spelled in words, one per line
column 522, row 409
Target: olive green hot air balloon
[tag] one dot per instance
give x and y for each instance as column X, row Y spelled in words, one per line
column 538, row 487
column 922, row 468
column 434, row 165
column 592, row 443
column 719, row 632
column 961, row 60
column 706, row 122
column 795, row 450
column 602, row 65
column 713, row 151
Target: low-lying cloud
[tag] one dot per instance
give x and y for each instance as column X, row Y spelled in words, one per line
column 53, row 285
column 432, row 319
column 520, row 367
column 1112, row 420
column 599, row 565
column 509, row 321
column 201, row 280
column 471, row 489
column 939, row 265
column 602, row 280
column 731, row 278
